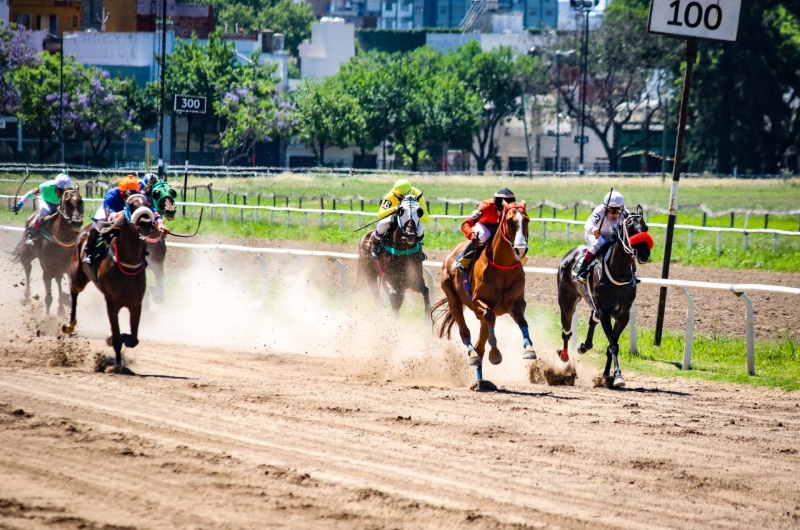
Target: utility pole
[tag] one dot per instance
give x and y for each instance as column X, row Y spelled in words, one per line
column 161, row 109
column 584, row 7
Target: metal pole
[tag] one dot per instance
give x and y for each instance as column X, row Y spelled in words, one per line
column 525, row 131
column 558, row 112
column 664, row 145
column 161, row 96
column 186, row 161
column 61, row 100
column 583, row 92
column 691, row 53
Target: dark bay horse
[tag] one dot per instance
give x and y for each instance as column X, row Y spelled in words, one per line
column 119, row 275
column 494, row 286
column 54, row 248
column 163, row 201
column 400, row 266
column 611, row 288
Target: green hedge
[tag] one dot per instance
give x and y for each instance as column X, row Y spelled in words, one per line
column 396, row 40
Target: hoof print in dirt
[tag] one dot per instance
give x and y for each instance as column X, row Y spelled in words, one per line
column 483, row 386
column 540, row 373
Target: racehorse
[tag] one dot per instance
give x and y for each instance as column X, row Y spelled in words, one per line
column 494, row 286
column 163, row 201
column 610, row 289
column 400, row 266
column 119, row 275
column 54, row 248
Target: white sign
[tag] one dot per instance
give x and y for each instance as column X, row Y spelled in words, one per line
column 195, row 104
column 703, row 19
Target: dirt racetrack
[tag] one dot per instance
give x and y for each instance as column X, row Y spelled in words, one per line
column 277, row 406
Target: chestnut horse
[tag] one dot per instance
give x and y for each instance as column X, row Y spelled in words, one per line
column 400, row 266
column 163, row 201
column 494, row 286
column 611, row 289
column 54, row 248
column 119, row 275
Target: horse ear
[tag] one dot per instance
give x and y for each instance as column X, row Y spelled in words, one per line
column 639, row 209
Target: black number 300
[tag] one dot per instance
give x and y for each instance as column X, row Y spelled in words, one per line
column 693, row 15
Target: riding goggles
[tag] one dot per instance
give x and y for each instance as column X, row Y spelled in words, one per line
column 615, row 210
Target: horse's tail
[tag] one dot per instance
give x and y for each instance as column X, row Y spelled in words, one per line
column 441, row 318
column 15, row 254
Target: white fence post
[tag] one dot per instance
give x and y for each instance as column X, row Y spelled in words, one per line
column 687, row 342
column 750, row 321
column 632, row 344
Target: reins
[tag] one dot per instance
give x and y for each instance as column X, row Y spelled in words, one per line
column 627, row 248
column 503, row 232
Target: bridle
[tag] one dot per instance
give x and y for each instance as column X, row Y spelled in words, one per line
column 627, row 247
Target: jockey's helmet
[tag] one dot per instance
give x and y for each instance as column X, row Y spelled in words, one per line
column 63, row 181
column 401, row 187
column 149, row 179
column 129, row 184
column 613, row 199
column 502, row 195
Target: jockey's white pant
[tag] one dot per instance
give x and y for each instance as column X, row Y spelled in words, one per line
column 385, row 224
column 99, row 217
column 594, row 243
column 45, row 208
column 484, row 232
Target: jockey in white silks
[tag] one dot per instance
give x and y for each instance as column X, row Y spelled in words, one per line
column 604, row 220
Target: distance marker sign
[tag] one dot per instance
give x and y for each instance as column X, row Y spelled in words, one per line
column 702, row 19
column 195, row 104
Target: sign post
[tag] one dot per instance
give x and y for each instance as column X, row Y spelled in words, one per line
column 696, row 19
column 188, row 105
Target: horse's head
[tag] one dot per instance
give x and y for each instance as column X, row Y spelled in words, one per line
column 71, row 208
column 640, row 241
column 139, row 216
column 163, row 199
column 408, row 214
column 514, row 228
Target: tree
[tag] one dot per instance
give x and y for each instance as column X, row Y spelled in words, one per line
column 291, row 19
column 623, row 59
column 252, row 114
column 496, row 79
column 745, row 98
column 15, row 52
column 327, row 116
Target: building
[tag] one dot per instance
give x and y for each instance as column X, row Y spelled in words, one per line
column 332, row 43
column 4, row 12
column 396, row 15
column 52, row 16
column 477, row 15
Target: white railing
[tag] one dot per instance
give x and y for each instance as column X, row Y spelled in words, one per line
column 739, row 290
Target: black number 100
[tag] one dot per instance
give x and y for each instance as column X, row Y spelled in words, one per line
column 693, row 15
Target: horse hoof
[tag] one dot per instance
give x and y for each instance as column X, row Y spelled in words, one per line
column 110, row 339
column 120, row 370
column 530, row 354
column 483, row 386
column 619, row 382
column 583, row 348
column 474, row 358
column 68, row 328
column 129, row 341
column 495, row 357
column 563, row 354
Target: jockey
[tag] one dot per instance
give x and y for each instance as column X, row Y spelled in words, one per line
column 482, row 224
column 387, row 216
column 146, row 183
column 49, row 198
column 113, row 206
column 602, row 223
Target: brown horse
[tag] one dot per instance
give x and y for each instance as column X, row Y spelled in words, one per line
column 119, row 275
column 54, row 248
column 162, row 198
column 494, row 286
column 611, row 289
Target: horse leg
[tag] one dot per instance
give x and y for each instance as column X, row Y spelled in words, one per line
column 132, row 340
column 457, row 311
column 619, row 326
column 62, row 298
column 26, row 261
column 613, row 348
column 70, row 328
column 116, row 336
column 586, row 346
column 423, row 290
column 48, row 295
column 518, row 314
column 486, row 315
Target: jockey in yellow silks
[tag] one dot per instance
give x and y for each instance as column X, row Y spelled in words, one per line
column 388, row 209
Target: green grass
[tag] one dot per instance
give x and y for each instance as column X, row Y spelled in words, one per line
column 717, row 194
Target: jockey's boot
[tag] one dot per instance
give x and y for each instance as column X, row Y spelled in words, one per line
column 34, row 230
column 376, row 251
column 90, row 249
column 581, row 268
column 465, row 257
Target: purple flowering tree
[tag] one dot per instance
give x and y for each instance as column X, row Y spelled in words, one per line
column 15, row 52
column 250, row 115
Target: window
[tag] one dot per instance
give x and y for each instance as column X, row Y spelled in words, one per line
column 24, row 20
column 74, row 22
column 548, row 12
column 38, row 22
column 54, row 24
column 443, row 10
